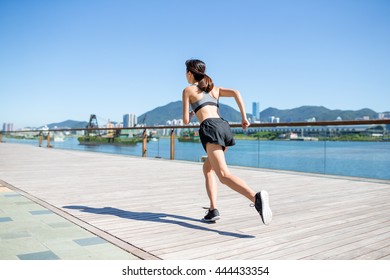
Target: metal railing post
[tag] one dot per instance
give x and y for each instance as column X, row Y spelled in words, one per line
column 40, row 139
column 172, row 144
column 48, row 140
column 144, row 143
column 1, row 137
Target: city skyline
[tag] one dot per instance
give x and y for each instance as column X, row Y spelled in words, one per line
column 131, row 120
column 67, row 60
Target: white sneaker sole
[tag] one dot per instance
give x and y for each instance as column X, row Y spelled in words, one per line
column 266, row 214
column 212, row 220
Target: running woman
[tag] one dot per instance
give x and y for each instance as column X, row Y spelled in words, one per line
column 216, row 136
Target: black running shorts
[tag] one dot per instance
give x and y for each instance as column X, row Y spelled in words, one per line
column 216, row 131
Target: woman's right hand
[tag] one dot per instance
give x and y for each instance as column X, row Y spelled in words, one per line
column 192, row 114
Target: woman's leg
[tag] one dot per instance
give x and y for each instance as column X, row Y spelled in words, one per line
column 211, row 184
column 216, row 157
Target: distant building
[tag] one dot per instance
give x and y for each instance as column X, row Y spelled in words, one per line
column 110, row 133
column 274, row 119
column 313, row 119
column 110, row 124
column 385, row 115
column 175, row 122
column 8, row 126
column 256, row 111
column 126, row 120
column 129, row 120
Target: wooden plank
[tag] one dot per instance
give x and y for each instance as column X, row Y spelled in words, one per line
column 315, row 217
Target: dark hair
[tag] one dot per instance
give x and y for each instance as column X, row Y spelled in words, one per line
column 198, row 69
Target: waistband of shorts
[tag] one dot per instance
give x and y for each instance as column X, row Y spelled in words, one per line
column 208, row 120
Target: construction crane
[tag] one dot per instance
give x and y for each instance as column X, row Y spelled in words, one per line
column 93, row 123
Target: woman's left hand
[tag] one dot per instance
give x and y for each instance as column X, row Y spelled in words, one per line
column 245, row 123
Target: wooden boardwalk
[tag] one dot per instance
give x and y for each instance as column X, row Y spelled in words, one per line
column 152, row 207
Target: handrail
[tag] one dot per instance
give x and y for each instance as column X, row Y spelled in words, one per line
column 295, row 124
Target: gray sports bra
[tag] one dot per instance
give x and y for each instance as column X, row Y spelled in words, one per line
column 207, row 99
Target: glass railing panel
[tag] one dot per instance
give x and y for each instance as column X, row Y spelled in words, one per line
column 21, row 137
column 358, row 159
column 104, row 145
column 278, row 154
column 190, row 151
column 158, row 147
column 243, row 153
column 370, row 158
column 302, row 156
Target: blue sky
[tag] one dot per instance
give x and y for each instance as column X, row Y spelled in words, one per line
column 64, row 60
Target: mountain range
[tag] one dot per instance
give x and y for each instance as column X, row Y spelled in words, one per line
column 173, row 110
column 68, row 124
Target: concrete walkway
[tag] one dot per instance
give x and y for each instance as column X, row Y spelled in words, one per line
column 29, row 231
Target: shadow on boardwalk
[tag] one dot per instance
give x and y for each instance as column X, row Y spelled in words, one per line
column 155, row 217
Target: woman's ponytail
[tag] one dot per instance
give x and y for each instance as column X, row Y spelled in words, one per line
column 206, row 84
column 198, row 69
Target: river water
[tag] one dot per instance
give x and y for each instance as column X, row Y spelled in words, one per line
column 357, row 159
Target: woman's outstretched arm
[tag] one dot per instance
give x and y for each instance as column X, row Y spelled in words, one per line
column 225, row 92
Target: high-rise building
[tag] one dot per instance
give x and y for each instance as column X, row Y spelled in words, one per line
column 129, row 120
column 126, row 119
column 256, row 111
column 8, row 126
column 133, row 120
